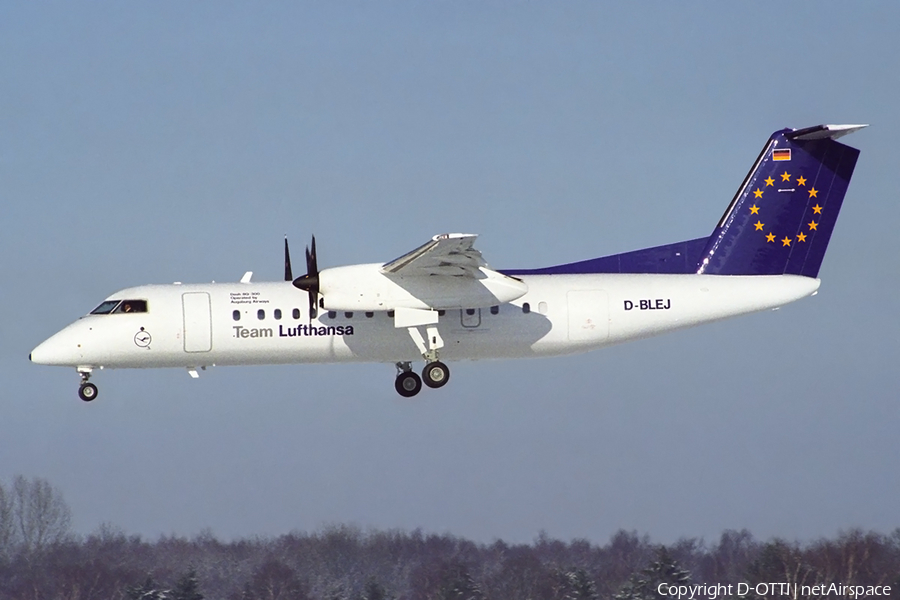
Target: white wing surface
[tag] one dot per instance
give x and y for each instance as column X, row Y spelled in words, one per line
column 447, row 254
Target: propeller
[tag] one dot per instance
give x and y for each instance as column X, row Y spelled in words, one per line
column 288, row 274
column 310, row 282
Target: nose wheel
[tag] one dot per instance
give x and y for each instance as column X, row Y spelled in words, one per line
column 87, row 391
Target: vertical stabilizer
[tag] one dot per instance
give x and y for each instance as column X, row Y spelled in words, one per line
column 782, row 217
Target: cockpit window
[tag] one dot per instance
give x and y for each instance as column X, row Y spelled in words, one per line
column 132, row 306
column 106, row 307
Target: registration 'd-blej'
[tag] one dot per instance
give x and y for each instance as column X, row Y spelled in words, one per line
column 442, row 302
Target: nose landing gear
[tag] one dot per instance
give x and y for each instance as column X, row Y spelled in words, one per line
column 87, row 391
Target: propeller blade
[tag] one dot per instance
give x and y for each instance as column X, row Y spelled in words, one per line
column 288, row 274
column 312, row 305
column 310, row 282
column 312, row 264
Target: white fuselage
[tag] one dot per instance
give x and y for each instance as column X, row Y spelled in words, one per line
column 195, row 325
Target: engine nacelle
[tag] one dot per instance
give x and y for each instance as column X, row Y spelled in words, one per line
column 368, row 288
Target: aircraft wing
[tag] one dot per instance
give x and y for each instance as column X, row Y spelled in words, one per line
column 447, row 254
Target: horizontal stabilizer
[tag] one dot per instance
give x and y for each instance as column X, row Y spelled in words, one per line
column 821, row 132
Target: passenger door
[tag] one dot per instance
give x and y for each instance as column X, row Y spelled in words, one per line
column 197, row 322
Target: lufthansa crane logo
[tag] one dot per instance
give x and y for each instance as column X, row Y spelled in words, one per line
column 142, row 339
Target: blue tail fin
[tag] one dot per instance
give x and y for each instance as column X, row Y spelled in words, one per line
column 781, row 219
column 779, row 222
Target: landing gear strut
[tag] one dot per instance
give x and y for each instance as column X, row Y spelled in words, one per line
column 435, row 374
column 87, row 391
column 407, row 384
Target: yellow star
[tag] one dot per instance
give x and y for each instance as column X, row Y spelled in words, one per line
column 813, row 225
column 801, row 237
column 758, row 226
column 770, row 237
column 801, row 180
column 817, row 209
column 786, row 241
column 754, row 210
column 769, row 180
column 785, row 176
column 757, row 193
column 813, row 192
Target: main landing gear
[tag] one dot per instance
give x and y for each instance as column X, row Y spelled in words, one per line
column 435, row 374
column 408, row 383
column 87, row 391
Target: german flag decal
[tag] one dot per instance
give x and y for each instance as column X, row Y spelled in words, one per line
column 784, row 154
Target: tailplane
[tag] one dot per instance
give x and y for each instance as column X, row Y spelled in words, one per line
column 782, row 217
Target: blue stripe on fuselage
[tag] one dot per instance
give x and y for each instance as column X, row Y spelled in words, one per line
column 677, row 258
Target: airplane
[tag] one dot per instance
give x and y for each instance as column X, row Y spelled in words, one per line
column 442, row 302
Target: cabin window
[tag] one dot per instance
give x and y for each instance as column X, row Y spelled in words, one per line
column 470, row 311
column 495, row 310
column 348, row 314
column 526, row 308
column 369, row 315
column 391, row 314
column 442, row 312
column 236, row 315
column 277, row 314
column 296, row 313
column 542, row 308
column 332, row 314
column 132, row 306
column 106, row 307
column 260, row 314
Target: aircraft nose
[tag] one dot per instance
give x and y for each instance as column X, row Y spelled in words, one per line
column 58, row 349
column 43, row 354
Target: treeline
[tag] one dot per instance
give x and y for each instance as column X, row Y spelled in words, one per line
column 41, row 559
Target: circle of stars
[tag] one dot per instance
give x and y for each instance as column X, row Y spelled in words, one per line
column 760, row 226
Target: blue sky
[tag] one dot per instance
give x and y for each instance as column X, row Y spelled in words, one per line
column 150, row 143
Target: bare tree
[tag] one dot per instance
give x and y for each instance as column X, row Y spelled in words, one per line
column 7, row 528
column 274, row 580
column 40, row 516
